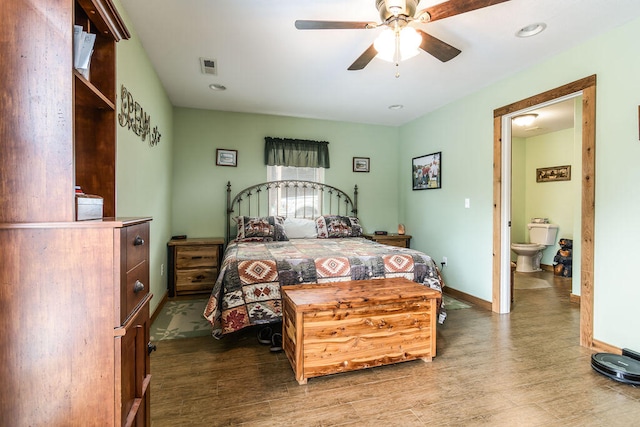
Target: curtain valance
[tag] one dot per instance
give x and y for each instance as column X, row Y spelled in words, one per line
column 296, row 152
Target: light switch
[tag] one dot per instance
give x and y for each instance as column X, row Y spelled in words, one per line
column 467, row 203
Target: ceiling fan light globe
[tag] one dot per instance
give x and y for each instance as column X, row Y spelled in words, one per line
column 385, row 44
column 409, row 42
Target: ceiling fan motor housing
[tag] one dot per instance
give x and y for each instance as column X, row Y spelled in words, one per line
column 389, row 8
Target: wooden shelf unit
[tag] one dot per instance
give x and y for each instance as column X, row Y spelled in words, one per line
column 59, row 129
column 75, row 294
column 95, row 103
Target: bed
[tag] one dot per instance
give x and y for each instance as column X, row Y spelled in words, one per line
column 297, row 232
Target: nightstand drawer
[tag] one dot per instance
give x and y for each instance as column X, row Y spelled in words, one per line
column 201, row 279
column 197, row 256
column 392, row 239
column 400, row 242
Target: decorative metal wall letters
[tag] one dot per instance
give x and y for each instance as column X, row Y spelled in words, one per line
column 134, row 118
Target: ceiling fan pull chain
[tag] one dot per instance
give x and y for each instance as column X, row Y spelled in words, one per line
column 397, row 52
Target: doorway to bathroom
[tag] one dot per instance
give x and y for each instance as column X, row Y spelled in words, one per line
column 546, row 159
column 584, row 88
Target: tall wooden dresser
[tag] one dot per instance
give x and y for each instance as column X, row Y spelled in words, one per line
column 74, row 295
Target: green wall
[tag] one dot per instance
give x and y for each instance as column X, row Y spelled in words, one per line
column 199, row 186
column 465, row 235
column 143, row 172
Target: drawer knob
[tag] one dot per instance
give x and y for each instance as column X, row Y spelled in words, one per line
column 138, row 241
column 138, row 286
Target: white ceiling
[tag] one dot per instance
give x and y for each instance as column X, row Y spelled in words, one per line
column 270, row 67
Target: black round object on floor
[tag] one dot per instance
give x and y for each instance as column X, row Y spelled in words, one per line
column 617, row 367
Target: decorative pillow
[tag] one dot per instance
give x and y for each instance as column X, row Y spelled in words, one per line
column 300, row 228
column 265, row 229
column 332, row 226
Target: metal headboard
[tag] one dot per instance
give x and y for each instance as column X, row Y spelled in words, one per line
column 299, row 199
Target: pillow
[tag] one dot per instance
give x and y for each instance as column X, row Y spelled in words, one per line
column 332, row 226
column 265, row 229
column 300, row 228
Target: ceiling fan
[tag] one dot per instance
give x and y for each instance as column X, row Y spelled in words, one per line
column 399, row 15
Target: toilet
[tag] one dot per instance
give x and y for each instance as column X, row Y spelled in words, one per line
column 529, row 254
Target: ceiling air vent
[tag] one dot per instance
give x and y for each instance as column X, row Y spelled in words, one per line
column 209, row 66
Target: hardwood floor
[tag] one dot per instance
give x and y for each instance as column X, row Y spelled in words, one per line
column 521, row 369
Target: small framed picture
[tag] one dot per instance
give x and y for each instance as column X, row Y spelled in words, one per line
column 361, row 164
column 226, row 157
column 555, row 173
column 426, row 171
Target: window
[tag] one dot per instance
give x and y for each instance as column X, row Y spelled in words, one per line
column 277, row 173
column 295, row 201
column 295, row 159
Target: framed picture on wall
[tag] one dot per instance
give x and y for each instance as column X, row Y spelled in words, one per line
column 426, row 171
column 226, row 157
column 555, row 173
column 361, row 164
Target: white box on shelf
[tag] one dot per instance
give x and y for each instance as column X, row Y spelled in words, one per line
column 88, row 207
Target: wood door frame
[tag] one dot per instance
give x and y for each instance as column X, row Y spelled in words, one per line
column 587, row 86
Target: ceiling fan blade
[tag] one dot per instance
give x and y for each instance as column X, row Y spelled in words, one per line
column 456, row 7
column 436, row 47
column 364, row 59
column 333, row 25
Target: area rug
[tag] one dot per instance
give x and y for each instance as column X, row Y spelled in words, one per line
column 453, row 304
column 180, row 319
column 183, row 318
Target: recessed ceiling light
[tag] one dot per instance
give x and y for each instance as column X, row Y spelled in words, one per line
column 216, row 86
column 531, row 30
column 396, row 107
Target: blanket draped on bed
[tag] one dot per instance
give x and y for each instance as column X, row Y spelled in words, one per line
column 247, row 291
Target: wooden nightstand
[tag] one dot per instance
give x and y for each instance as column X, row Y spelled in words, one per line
column 194, row 265
column 391, row 239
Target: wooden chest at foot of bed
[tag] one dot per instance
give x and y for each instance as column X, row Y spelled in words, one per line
column 344, row 326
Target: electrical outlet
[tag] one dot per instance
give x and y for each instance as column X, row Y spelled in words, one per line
column 444, row 261
column 161, row 269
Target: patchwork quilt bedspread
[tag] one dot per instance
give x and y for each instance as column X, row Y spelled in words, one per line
column 247, row 291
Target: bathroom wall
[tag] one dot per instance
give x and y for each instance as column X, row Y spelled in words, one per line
column 553, row 200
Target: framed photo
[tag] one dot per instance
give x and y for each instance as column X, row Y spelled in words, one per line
column 555, row 173
column 226, row 157
column 426, row 171
column 361, row 164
